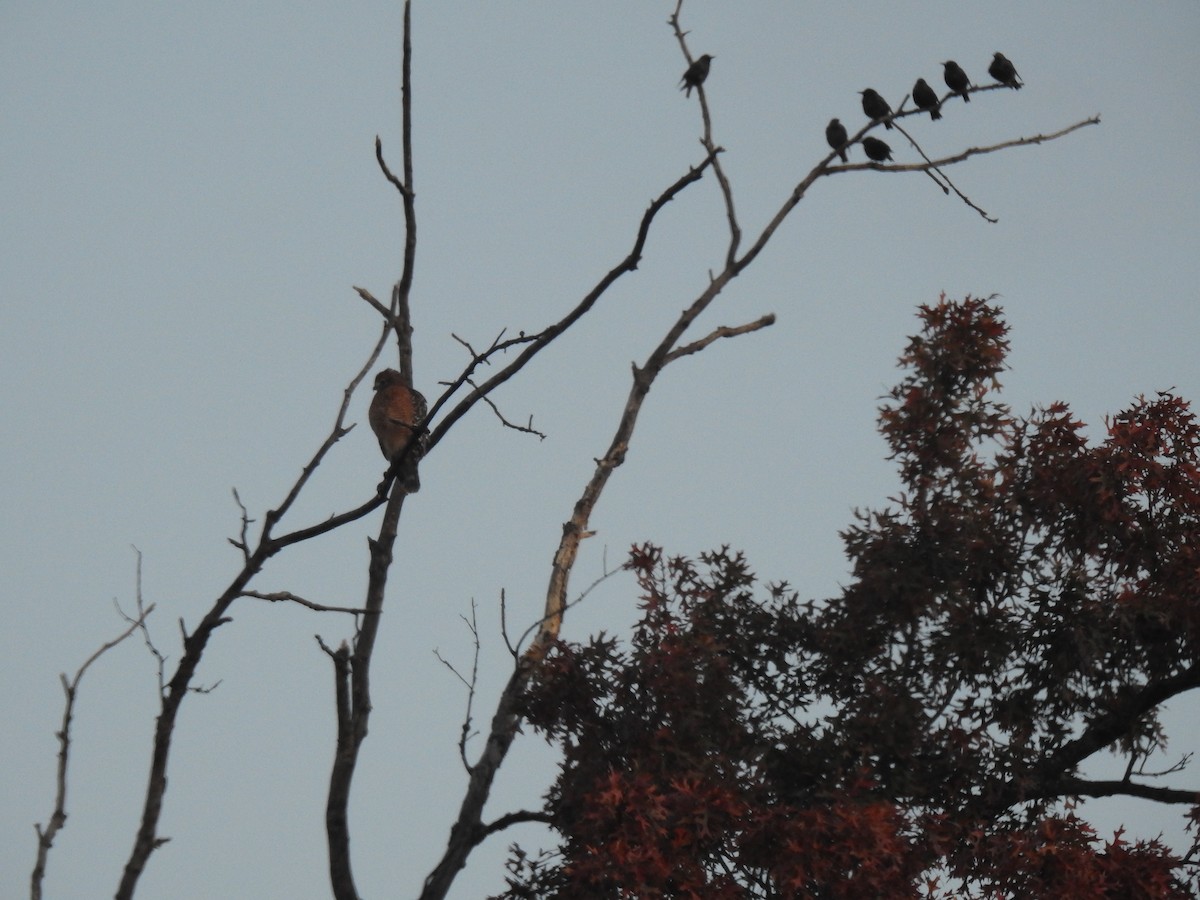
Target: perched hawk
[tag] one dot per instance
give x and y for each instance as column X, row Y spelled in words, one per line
column 395, row 413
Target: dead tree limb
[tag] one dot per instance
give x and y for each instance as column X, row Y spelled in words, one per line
column 58, row 818
column 147, row 839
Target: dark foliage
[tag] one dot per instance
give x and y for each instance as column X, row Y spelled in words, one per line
column 1027, row 601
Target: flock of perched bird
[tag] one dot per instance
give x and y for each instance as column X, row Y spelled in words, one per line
column 876, row 108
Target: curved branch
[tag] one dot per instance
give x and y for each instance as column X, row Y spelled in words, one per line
column 147, row 840
column 965, row 154
column 824, row 168
column 943, row 180
column 289, row 597
column 724, row 331
column 352, row 679
column 706, row 141
column 1078, row 787
column 339, row 431
column 58, row 818
column 540, row 341
column 517, row 818
column 1114, row 724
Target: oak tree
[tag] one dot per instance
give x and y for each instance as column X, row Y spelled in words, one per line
column 1027, row 601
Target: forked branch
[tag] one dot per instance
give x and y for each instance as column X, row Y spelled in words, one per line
column 147, row 839
column 58, row 818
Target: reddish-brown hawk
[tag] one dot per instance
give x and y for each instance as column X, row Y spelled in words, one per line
column 395, row 414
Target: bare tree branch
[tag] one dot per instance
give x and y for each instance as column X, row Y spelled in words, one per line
column 1179, row 766
column 375, row 304
column 352, row 676
column 404, row 190
column 551, row 332
column 706, row 141
column 1079, row 787
column 160, row 660
column 724, row 331
column 180, row 684
column 823, row 168
column 468, row 830
column 58, row 818
column 965, row 154
column 1123, row 713
column 471, row 683
column 336, row 433
column 944, row 181
column 527, row 429
column 536, row 627
column 289, row 597
column 517, row 818
column 243, row 542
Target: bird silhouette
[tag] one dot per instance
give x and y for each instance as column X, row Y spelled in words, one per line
column 695, row 74
column 876, row 149
column 956, row 79
column 1004, row 72
column 875, row 106
column 395, row 414
column 923, row 95
column 835, row 133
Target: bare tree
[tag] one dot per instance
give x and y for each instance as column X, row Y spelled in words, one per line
column 351, row 659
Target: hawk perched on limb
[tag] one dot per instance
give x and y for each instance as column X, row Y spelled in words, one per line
column 396, row 412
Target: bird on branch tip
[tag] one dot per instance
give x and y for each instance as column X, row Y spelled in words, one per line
column 925, row 97
column 876, row 149
column 395, row 414
column 695, row 74
column 835, row 134
column 1004, row 71
column 956, row 79
column 875, row 106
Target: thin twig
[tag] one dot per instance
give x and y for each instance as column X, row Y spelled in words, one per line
column 375, row 304
column 724, row 331
column 289, row 597
column 946, row 183
column 471, row 684
column 58, row 818
column 243, row 543
column 605, row 574
column 527, row 429
column 335, row 521
column 140, row 620
column 706, row 141
column 405, row 192
column 547, row 335
column 966, row 154
column 512, row 649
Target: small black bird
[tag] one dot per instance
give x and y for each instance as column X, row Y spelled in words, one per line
column 695, row 74
column 1004, row 71
column 876, row 149
column 835, row 133
column 924, row 96
column 875, row 106
column 956, row 79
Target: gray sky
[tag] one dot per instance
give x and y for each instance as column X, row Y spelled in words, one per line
column 189, row 193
